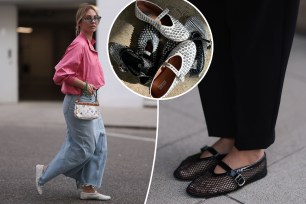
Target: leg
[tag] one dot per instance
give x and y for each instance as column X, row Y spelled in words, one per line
column 217, row 95
column 78, row 146
column 261, row 34
column 241, row 99
column 258, row 84
column 261, row 37
column 98, row 160
column 217, row 89
column 92, row 172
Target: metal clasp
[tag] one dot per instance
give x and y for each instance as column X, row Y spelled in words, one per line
column 240, row 180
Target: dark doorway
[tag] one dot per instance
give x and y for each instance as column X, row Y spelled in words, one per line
column 40, row 51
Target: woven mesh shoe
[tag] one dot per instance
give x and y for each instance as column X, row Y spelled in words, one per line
column 148, row 42
column 211, row 184
column 167, row 25
column 173, row 70
column 167, row 48
column 129, row 61
column 94, row 196
column 194, row 166
column 198, row 35
column 39, row 172
column 114, row 50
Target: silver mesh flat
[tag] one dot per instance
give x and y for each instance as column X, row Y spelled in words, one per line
column 173, row 70
column 148, row 42
column 167, row 25
column 198, row 35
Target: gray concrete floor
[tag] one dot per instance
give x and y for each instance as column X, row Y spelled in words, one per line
column 32, row 132
column 182, row 132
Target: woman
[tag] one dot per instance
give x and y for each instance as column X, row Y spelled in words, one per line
column 241, row 92
column 83, row 154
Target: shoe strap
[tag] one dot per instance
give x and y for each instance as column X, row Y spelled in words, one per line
column 203, row 40
column 174, row 70
column 232, row 173
column 162, row 14
column 146, row 52
column 210, row 150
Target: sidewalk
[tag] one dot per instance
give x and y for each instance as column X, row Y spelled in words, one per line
column 182, row 133
column 48, row 113
column 32, row 133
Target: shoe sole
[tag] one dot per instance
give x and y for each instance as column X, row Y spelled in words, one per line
column 93, row 198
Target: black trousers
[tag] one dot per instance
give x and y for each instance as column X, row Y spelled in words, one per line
column 242, row 89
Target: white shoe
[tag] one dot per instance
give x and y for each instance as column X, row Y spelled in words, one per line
column 167, row 25
column 94, row 196
column 174, row 69
column 39, row 172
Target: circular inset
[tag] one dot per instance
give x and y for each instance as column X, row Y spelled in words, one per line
column 160, row 49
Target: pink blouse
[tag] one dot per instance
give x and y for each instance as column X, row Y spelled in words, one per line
column 80, row 61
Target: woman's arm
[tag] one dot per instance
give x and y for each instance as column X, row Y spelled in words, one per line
column 82, row 85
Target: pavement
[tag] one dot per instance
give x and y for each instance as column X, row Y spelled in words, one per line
column 182, row 132
column 33, row 132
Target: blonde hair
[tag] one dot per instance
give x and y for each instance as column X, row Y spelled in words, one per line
column 83, row 8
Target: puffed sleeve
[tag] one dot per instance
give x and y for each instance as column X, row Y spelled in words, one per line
column 66, row 69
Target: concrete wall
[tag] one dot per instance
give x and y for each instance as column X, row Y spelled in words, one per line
column 8, row 54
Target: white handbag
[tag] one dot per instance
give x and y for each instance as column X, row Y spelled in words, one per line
column 86, row 110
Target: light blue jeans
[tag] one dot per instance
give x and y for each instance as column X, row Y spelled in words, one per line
column 83, row 154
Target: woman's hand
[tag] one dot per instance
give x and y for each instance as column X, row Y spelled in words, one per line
column 91, row 89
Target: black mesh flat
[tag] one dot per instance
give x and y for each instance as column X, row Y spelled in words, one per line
column 194, row 166
column 129, row 61
column 211, row 184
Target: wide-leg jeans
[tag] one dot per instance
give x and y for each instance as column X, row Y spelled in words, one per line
column 83, row 154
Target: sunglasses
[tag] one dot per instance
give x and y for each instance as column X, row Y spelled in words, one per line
column 89, row 19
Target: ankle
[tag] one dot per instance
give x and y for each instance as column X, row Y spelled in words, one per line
column 88, row 189
column 240, row 158
column 251, row 155
column 224, row 145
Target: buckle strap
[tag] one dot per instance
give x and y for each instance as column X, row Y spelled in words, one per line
column 238, row 178
column 162, row 14
column 174, row 70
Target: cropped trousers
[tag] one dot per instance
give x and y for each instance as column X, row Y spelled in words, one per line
column 241, row 91
column 83, row 154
